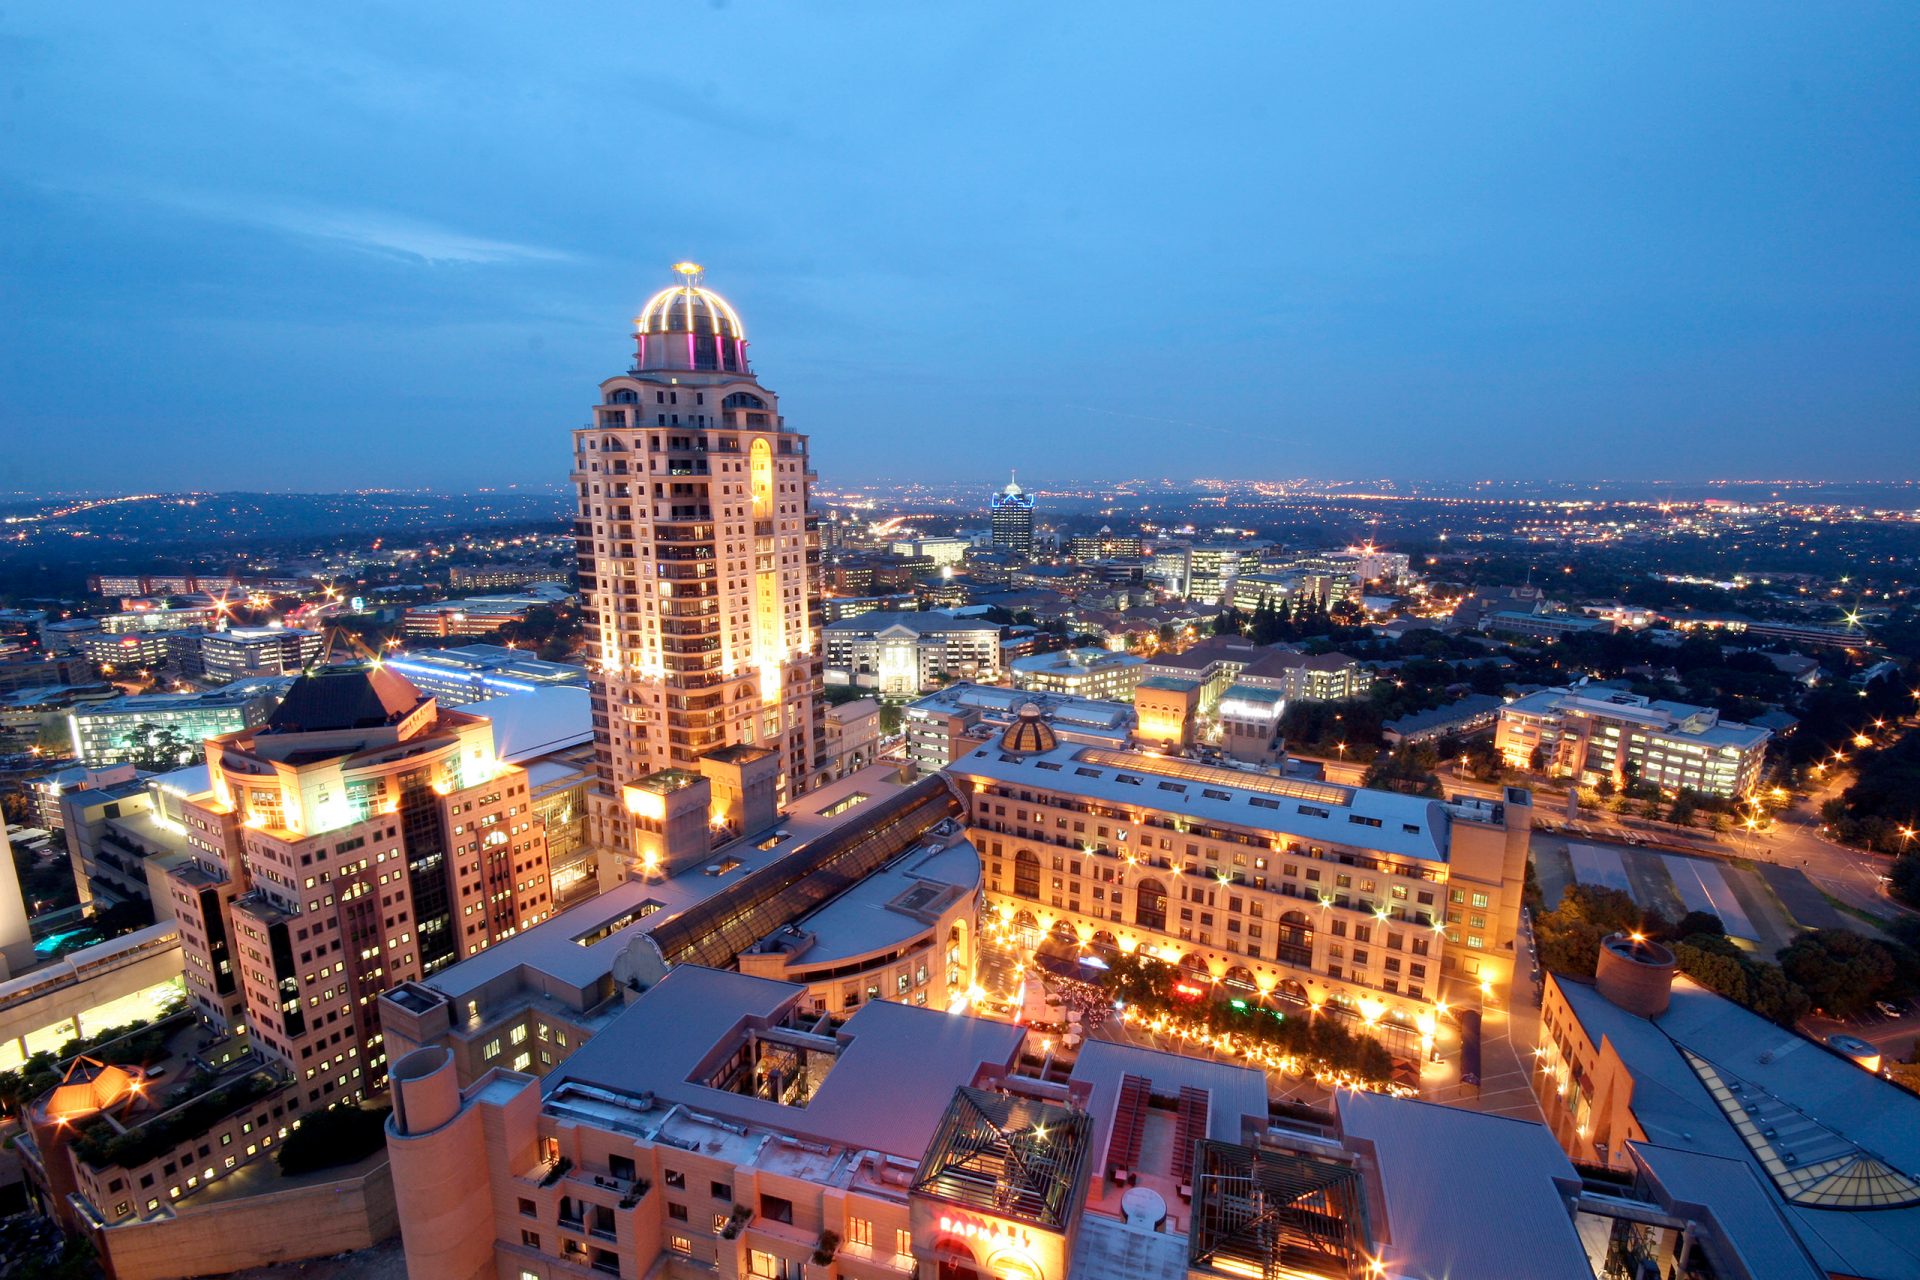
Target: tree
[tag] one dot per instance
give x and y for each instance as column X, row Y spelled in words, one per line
column 1569, row 936
column 1408, row 771
column 1841, row 971
column 159, row 748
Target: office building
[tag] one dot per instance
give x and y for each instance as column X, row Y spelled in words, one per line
column 492, row 577
column 480, row 615
column 41, row 719
column 694, row 560
column 1308, row 677
column 1598, row 733
column 1643, row 1071
column 476, row 672
column 31, row 671
column 899, row 655
column 1012, row 516
column 1098, row 675
column 157, row 615
column 937, row 552
column 127, row 651
column 549, row 732
column 720, row 1126
column 1212, row 569
column 862, row 890
column 946, row 724
column 1357, row 900
column 242, row 652
column 363, row 836
column 121, row 830
column 130, row 727
column 1105, row 545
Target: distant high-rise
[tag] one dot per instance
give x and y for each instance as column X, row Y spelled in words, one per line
column 1013, row 519
column 692, row 531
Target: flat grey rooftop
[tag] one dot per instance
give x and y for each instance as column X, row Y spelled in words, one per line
column 896, row 1071
column 1408, row 826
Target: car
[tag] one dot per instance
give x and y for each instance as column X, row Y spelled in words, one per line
column 1889, row 1008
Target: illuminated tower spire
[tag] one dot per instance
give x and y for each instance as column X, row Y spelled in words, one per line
column 692, row 528
column 1013, row 518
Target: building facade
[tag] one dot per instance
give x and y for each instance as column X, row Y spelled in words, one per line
column 1309, row 890
column 122, row 728
column 1099, row 675
column 1595, row 734
column 901, row 654
column 476, row 672
column 243, row 652
column 1012, row 516
column 693, row 535
column 362, row 837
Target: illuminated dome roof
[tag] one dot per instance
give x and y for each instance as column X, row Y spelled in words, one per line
column 1029, row 734
column 688, row 328
column 689, row 307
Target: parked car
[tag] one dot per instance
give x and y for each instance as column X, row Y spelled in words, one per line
column 1889, row 1008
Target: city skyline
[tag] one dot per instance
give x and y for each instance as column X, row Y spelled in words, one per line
column 1639, row 247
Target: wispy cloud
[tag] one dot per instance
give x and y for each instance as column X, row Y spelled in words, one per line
column 368, row 230
column 400, row 237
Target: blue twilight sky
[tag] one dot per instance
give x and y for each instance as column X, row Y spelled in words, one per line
column 325, row 245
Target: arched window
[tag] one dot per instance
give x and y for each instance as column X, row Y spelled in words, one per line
column 743, row 400
column 1150, row 905
column 626, row 395
column 1026, row 875
column 1296, row 940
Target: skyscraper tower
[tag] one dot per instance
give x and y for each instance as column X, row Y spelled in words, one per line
column 692, row 532
column 1013, row 519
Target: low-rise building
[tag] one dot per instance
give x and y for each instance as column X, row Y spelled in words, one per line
column 1474, row 713
column 1340, row 897
column 241, row 653
column 1545, row 626
column 476, row 672
column 853, row 736
column 900, row 655
column 1308, row 677
column 1596, row 733
column 127, row 727
column 1099, row 675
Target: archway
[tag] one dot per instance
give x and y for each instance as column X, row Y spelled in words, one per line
column 1026, row 930
column 1291, row 991
column 1239, row 981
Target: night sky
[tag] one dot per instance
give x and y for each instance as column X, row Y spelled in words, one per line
column 332, row 245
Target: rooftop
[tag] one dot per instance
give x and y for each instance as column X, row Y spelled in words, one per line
column 669, row 1041
column 536, row 722
column 1408, row 826
column 1822, row 1134
column 344, row 697
column 921, row 623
